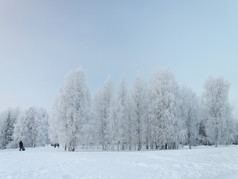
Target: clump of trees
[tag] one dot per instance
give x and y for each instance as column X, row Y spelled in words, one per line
column 159, row 114
column 30, row 126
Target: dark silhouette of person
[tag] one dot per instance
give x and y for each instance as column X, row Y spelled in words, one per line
column 20, row 145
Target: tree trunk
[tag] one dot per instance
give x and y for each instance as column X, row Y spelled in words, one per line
column 139, row 146
column 123, row 147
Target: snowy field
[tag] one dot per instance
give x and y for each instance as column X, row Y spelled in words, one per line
column 201, row 162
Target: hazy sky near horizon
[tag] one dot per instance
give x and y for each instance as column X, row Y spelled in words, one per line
column 41, row 41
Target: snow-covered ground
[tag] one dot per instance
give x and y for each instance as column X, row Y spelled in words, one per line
column 201, row 162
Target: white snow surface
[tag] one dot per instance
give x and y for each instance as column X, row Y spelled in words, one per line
column 48, row 162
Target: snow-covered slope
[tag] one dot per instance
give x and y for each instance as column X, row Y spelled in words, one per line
column 201, row 162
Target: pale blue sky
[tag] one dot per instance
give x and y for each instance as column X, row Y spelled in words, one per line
column 41, row 41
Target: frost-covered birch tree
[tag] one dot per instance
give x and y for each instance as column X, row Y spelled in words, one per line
column 54, row 118
column 42, row 127
column 217, row 110
column 189, row 113
column 141, row 124
column 121, row 119
column 71, row 111
column 101, row 111
column 163, row 108
column 7, row 123
column 123, row 115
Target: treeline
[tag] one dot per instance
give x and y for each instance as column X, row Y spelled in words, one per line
column 159, row 114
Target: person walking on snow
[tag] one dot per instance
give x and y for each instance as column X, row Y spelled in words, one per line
column 21, row 146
